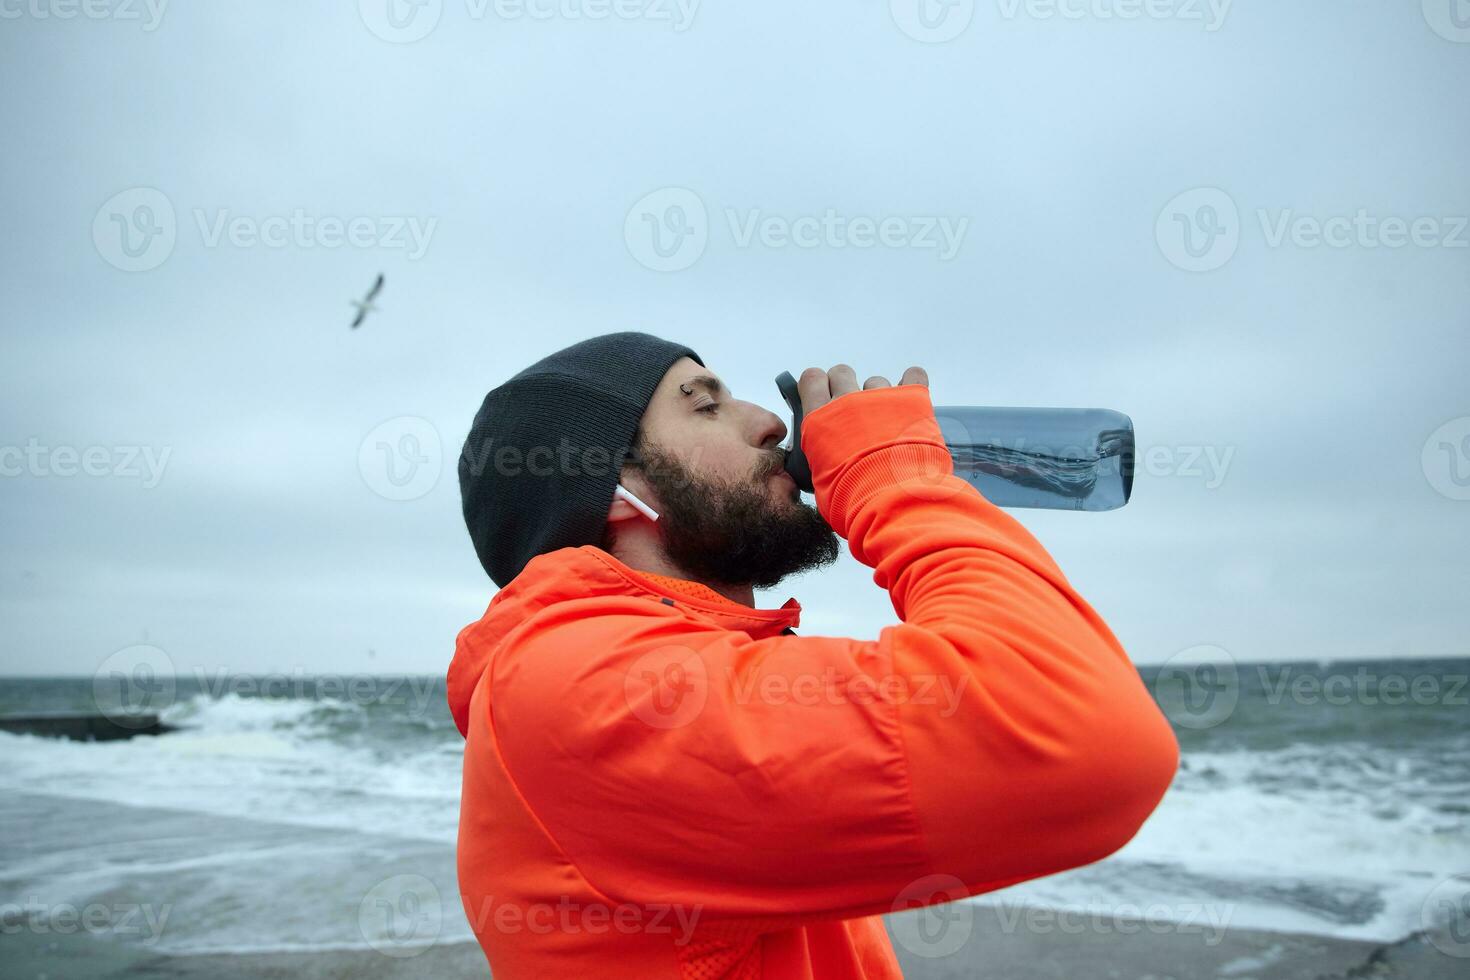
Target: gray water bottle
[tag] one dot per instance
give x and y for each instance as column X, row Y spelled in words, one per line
column 1056, row 458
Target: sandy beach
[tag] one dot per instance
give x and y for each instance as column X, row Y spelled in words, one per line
column 67, row 836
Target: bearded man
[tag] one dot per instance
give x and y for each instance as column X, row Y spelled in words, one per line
column 662, row 780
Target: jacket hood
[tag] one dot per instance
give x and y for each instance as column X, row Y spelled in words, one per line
column 580, row 573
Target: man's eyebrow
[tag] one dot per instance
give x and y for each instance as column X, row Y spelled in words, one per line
column 709, row 383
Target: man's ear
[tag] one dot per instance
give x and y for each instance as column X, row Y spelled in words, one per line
column 621, row 508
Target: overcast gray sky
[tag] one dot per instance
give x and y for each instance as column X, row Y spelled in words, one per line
column 1243, row 224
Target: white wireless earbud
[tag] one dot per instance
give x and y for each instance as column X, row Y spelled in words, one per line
column 638, row 505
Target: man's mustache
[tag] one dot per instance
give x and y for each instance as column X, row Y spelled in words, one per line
column 771, row 463
column 674, row 472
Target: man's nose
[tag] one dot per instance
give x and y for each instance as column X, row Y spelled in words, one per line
column 767, row 429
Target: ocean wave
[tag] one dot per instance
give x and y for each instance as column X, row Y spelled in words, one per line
column 1342, row 838
column 296, row 762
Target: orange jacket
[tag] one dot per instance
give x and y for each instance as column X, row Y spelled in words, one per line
column 662, row 783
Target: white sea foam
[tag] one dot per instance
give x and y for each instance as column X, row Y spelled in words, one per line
column 1340, row 841
column 273, row 760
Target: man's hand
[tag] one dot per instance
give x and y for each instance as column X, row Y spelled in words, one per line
column 819, row 387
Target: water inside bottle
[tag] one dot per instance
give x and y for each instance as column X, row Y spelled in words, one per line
column 1055, row 458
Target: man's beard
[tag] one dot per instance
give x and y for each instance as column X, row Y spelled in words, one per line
column 735, row 533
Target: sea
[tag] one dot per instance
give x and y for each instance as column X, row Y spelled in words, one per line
column 1329, row 798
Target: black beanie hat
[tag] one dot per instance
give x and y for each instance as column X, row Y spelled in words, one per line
column 546, row 449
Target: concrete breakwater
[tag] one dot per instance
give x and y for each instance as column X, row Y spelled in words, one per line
column 84, row 727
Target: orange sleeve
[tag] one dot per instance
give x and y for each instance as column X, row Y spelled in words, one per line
column 998, row 733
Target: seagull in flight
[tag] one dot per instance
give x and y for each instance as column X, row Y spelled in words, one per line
column 365, row 305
